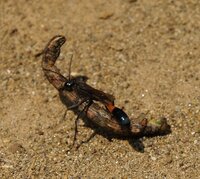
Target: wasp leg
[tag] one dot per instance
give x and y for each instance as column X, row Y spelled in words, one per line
column 86, row 141
column 72, row 107
column 64, row 115
column 76, row 105
column 89, row 102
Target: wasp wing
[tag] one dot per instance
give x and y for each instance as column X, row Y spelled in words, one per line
column 86, row 90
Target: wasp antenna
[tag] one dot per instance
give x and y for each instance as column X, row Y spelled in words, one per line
column 70, row 64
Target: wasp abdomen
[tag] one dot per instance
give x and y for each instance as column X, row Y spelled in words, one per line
column 121, row 117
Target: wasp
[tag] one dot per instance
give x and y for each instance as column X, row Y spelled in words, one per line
column 91, row 94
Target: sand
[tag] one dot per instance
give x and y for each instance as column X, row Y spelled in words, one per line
column 145, row 53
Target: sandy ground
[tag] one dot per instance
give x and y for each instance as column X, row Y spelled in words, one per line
column 146, row 53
